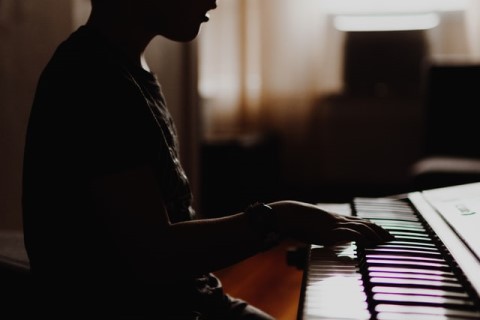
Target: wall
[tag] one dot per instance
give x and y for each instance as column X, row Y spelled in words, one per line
column 29, row 32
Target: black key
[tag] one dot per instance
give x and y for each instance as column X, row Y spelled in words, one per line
column 417, row 239
column 407, row 312
column 408, row 263
column 412, row 234
column 411, row 242
column 410, row 270
column 377, row 281
column 421, row 247
column 420, row 291
column 396, row 227
column 402, row 252
column 406, row 257
column 417, row 276
column 422, row 300
column 389, row 217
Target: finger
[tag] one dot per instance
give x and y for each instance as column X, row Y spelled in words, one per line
column 385, row 234
column 342, row 234
column 355, row 218
column 364, row 229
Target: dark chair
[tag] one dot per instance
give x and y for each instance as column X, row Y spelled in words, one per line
column 384, row 64
column 451, row 152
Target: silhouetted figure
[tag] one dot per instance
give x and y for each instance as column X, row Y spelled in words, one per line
column 109, row 227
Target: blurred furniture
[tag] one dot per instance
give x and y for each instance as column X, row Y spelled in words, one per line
column 370, row 131
column 384, row 64
column 452, row 111
column 237, row 170
column 15, row 278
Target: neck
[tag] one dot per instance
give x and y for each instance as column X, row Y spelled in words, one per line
column 124, row 33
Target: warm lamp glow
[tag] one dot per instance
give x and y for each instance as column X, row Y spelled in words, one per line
column 392, row 6
column 388, row 22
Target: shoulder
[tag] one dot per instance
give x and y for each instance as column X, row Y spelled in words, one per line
column 83, row 76
column 85, row 60
column 87, row 95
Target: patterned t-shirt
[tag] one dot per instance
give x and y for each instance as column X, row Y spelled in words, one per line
column 94, row 114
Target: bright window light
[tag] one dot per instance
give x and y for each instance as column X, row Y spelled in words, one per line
column 388, row 22
column 392, row 6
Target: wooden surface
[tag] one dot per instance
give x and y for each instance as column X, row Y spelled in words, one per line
column 267, row 282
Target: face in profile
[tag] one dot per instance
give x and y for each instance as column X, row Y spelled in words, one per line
column 178, row 20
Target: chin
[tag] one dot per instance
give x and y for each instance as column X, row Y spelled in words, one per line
column 185, row 35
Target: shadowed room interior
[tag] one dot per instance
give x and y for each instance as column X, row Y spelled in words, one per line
column 286, row 103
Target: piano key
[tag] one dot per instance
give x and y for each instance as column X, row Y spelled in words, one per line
column 379, row 201
column 320, row 290
column 331, row 254
column 333, row 247
column 413, row 234
column 390, row 262
column 331, row 273
column 387, row 213
column 393, row 228
column 325, row 275
column 392, row 222
column 321, row 297
column 414, row 257
column 426, row 310
column 405, row 257
column 334, row 271
column 422, row 300
column 383, row 211
column 359, row 209
column 338, row 262
column 410, row 270
column 413, row 282
column 403, row 252
column 389, row 217
column 387, row 222
column 414, row 316
column 399, row 223
column 329, row 312
column 402, row 246
column 411, row 242
column 333, row 267
column 412, row 276
column 420, row 291
column 387, row 207
column 417, row 238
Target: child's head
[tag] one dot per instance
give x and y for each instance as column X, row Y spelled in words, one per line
column 177, row 20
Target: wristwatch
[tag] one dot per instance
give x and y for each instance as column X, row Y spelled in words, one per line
column 264, row 221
